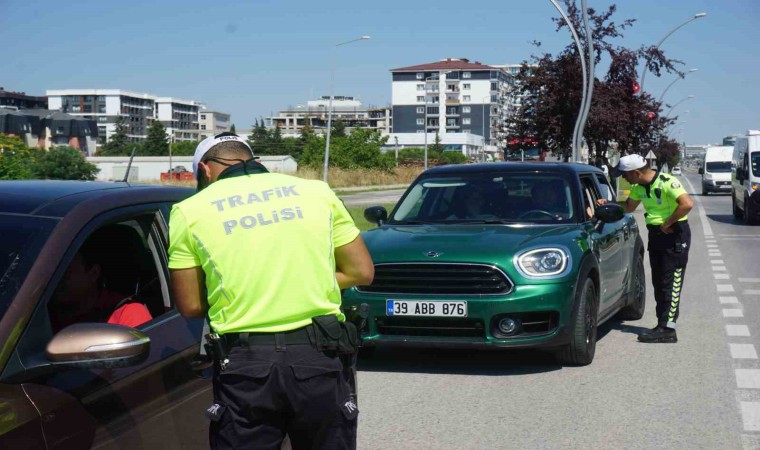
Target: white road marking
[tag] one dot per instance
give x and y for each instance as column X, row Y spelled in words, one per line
column 721, row 276
column 712, row 245
column 743, row 351
column 706, row 228
column 725, row 288
column 751, row 415
column 716, row 261
column 718, row 268
column 751, row 238
column 749, row 280
column 737, row 330
column 748, row 378
column 728, row 299
column 733, row 313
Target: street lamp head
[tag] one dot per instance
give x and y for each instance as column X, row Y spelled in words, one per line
column 691, row 96
column 365, row 37
column 693, row 70
column 699, row 15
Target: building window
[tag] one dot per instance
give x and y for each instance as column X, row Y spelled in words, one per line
column 420, row 131
column 466, row 98
column 466, row 86
column 421, row 110
column 203, row 127
column 420, row 76
column 420, row 87
column 203, row 117
column 466, row 110
column 466, row 121
column 467, row 131
column 420, row 121
column 421, row 98
column 466, row 75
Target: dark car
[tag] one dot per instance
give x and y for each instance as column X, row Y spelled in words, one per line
column 502, row 255
column 67, row 384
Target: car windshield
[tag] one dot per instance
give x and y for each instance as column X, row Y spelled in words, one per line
column 524, row 197
column 755, row 162
column 719, row 166
column 23, row 237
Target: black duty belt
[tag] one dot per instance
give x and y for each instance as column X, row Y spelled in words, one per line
column 293, row 337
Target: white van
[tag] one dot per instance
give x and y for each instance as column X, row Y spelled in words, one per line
column 716, row 170
column 745, row 177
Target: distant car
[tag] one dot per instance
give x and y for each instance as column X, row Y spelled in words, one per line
column 510, row 269
column 95, row 384
column 676, row 170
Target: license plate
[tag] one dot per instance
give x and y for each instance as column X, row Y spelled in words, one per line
column 426, row 308
column 726, row 186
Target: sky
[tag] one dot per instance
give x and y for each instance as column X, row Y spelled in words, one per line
column 254, row 58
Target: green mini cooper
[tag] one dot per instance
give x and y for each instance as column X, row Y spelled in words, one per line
column 502, row 255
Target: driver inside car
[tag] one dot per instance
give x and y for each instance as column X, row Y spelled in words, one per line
column 91, row 291
column 549, row 199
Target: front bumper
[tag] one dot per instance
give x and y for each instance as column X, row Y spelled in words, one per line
column 716, row 186
column 543, row 312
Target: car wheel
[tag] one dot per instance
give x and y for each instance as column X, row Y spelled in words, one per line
column 749, row 212
column 580, row 350
column 737, row 211
column 705, row 191
column 634, row 310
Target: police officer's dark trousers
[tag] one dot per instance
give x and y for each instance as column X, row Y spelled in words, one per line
column 668, row 255
column 269, row 390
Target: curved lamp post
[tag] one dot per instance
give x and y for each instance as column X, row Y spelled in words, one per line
column 678, row 103
column 644, row 70
column 672, row 83
column 329, row 105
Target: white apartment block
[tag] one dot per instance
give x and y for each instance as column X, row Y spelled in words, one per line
column 348, row 109
column 180, row 117
column 212, row 123
column 450, row 97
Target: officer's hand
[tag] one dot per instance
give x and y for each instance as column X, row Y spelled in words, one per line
column 601, row 201
column 666, row 229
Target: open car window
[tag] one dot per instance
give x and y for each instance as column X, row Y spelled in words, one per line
column 526, row 197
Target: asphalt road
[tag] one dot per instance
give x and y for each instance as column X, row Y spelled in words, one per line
column 701, row 393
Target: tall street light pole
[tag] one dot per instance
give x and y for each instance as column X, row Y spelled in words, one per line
column 672, row 83
column 330, row 102
column 678, row 103
column 644, row 69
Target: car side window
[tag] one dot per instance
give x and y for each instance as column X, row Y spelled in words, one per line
column 114, row 276
column 590, row 195
column 604, row 186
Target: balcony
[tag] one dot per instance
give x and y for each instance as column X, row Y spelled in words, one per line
column 452, row 101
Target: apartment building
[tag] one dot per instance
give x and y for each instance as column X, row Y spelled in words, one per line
column 212, row 123
column 180, row 117
column 348, row 109
column 104, row 106
column 19, row 100
column 451, row 97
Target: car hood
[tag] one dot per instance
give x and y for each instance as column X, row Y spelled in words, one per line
column 474, row 243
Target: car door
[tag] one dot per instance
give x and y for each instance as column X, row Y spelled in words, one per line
column 627, row 226
column 607, row 243
column 156, row 404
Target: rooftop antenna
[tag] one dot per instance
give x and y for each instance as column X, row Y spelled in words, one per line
column 129, row 164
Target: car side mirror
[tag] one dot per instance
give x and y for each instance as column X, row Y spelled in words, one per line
column 701, row 171
column 739, row 174
column 98, row 346
column 376, row 214
column 609, row 212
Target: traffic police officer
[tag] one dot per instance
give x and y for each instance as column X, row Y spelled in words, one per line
column 273, row 252
column 667, row 204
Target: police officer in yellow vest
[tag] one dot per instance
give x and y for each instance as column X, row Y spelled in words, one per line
column 667, row 204
column 273, row 252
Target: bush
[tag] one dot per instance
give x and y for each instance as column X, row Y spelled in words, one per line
column 17, row 161
column 64, row 163
column 452, row 158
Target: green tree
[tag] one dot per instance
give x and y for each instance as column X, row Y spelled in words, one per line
column 118, row 144
column 361, row 149
column 65, row 163
column 338, row 129
column 157, row 142
column 452, row 157
column 437, row 148
column 259, row 138
column 184, row 148
column 17, row 161
column 232, row 129
column 307, row 131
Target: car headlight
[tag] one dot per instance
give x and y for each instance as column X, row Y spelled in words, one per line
column 755, row 186
column 543, row 262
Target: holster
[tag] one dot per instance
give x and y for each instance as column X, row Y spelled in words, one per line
column 332, row 335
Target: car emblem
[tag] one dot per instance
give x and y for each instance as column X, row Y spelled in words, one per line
column 432, row 254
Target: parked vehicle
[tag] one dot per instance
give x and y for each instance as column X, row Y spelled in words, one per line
column 93, row 384
column 745, row 177
column 716, row 170
column 676, row 170
column 502, row 255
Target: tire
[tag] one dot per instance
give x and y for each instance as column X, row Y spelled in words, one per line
column 636, row 306
column 705, row 191
column 749, row 212
column 736, row 210
column 580, row 350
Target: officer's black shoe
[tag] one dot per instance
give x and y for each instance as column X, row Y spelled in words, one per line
column 659, row 335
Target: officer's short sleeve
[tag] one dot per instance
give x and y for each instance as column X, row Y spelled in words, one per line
column 344, row 228
column 674, row 188
column 635, row 193
column 181, row 245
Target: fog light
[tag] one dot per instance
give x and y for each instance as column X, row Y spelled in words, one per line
column 507, row 325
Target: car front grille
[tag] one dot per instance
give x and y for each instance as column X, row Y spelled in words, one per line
column 439, row 279
column 424, row 326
